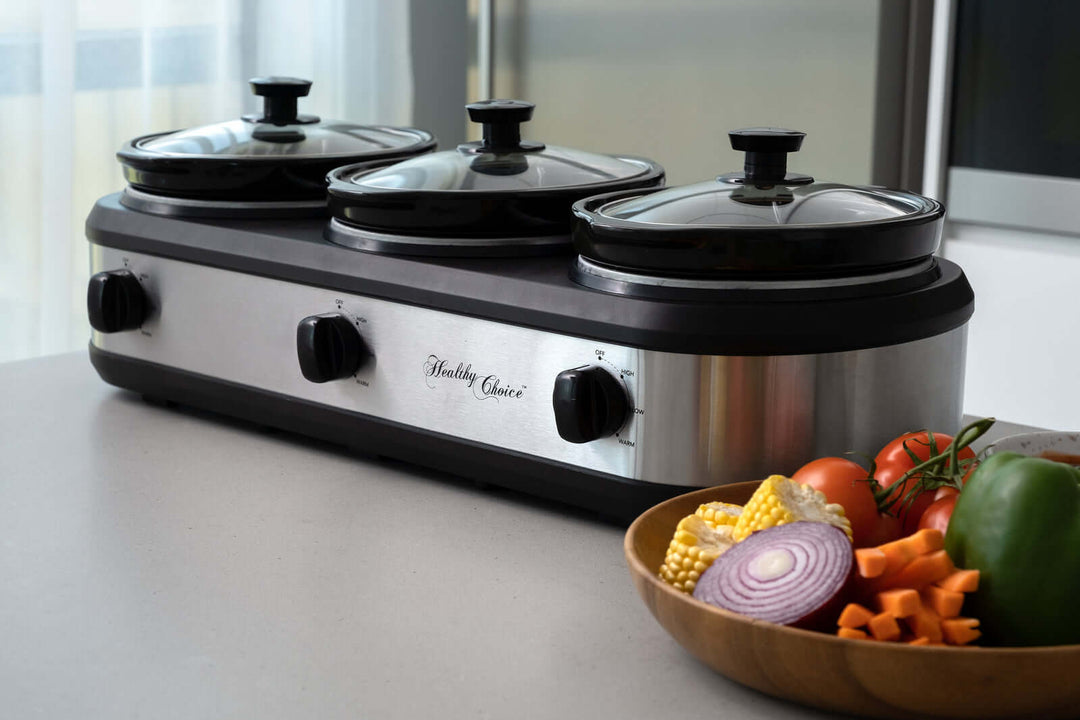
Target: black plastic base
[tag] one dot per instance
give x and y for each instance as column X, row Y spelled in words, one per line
column 615, row 499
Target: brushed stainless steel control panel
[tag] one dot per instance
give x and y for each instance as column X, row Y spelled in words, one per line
column 686, row 419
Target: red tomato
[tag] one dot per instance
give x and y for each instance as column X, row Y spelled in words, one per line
column 844, row 482
column 940, row 512
column 888, row 529
column 894, row 460
column 945, row 491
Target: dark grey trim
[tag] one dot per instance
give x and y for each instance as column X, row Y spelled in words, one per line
column 439, row 33
column 903, row 72
column 617, row 499
column 534, row 292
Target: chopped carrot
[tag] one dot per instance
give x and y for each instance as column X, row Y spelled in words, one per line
column 854, row 615
column 899, row 553
column 926, row 623
column 923, row 570
column 851, row 633
column 870, row 562
column 926, row 541
column 960, row 581
column 899, row 602
column 915, row 592
column 883, row 626
column 960, row 631
column 945, row 603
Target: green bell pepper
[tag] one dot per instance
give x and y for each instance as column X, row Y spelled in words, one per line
column 1018, row 522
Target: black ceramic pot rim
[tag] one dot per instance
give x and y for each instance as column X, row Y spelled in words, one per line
column 694, row 249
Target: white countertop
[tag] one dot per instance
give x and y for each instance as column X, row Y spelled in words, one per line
column 165, row 563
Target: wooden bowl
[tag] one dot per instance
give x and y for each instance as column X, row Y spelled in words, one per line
column 862, row 677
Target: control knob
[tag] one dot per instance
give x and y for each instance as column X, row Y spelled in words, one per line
column 589, row 402
column 116, row 301
column 329, row 347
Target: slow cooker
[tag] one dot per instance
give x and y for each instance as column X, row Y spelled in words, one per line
column 553, row 322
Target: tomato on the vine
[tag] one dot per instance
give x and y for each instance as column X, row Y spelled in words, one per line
column 846, row 483
column 939, row 513
column 888, row 529
column 895, row 459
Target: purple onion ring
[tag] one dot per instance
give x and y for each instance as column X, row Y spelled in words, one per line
column 786, row 574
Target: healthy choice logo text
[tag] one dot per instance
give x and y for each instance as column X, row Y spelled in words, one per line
column 483, row 387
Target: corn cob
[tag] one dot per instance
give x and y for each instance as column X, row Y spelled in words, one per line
column 692, row 550
column 778, row 501
column 719, row 513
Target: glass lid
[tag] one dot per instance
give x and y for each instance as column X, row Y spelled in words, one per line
column 276, row 154
column 281, row 132
column 502, row 161
column 761, row 219
column 500, row 186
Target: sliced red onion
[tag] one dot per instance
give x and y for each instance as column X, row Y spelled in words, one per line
column 791, row 574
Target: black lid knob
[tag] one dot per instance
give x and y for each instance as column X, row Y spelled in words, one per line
column 502, row 124
column 766, row 152
column 279, row 96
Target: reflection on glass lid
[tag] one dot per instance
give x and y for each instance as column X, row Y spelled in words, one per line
column 241, row 138
column 280, row 131
column 724, row 203
column 466, row 169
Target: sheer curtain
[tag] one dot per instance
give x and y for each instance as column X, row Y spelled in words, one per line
column 80, row 77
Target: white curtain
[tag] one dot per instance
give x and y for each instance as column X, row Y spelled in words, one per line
column 80, row 77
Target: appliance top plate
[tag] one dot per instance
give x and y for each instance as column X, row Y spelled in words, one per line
column 538, row 292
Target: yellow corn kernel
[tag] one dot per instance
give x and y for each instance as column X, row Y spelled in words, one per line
column 719, row 513
column 779, row 501
column 692, row 550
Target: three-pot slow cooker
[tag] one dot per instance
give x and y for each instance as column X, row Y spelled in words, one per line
column 701, row 335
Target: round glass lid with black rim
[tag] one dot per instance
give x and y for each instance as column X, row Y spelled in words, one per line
column 501, row 195
column 763, row 222
column 277, row 157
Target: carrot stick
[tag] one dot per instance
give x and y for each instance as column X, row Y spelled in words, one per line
column 921, row 640
column 851, row 633
column 960, row 631
column 854, row 615
column 923, row 570
column 899, row 553
column 945, row 603
column 960, row 581
column 926, row 541
column 871, row 562
column 900, row 602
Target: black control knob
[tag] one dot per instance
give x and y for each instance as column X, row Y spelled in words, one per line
column 329, row 347
column 116, row 301
column 590, row 403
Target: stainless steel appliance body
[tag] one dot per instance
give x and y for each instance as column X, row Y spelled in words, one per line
column 461, row 357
